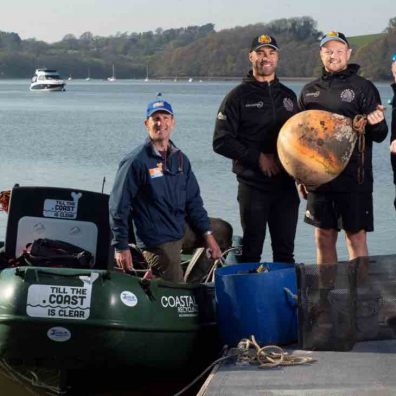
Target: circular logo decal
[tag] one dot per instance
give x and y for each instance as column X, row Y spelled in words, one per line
column 128, row 298
column 347, row 95
column 288, row 104
column 59, row 334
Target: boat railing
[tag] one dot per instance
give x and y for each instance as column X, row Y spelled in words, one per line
column 221, row 262
column 188, row 265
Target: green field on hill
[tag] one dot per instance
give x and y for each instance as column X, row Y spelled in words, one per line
column 361, row 41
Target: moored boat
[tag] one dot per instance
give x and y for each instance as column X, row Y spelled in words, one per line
column 69, row 319
column 88, row 315
column 47, row 80
column 113, row 76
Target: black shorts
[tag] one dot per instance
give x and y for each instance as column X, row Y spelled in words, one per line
column 348, row 211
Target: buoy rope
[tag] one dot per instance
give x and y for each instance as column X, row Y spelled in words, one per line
column 359, row 126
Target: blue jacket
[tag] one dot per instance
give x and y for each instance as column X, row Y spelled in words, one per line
column 162, row 197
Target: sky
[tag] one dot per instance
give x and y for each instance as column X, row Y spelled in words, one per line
column 51, row 20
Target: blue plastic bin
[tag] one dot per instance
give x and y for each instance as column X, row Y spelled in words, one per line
column 260, row 304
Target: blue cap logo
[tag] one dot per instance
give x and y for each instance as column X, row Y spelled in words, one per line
column 158, row 105
column 394, row 57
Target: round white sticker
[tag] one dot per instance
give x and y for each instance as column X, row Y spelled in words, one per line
column 59, row 334
column 128, row 298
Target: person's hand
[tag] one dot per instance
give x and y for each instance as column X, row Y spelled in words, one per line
column 213, row 247
column 393, row 147
column 268, row 164
column 376, row 116
column 302, row 190
column 123, row 260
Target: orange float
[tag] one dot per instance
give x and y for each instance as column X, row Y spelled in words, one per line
column 314, row 146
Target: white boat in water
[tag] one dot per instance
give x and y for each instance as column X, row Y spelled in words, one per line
column 47, row 80
column 113, row 77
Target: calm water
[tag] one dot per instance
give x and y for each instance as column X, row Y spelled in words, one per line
column 77, row 137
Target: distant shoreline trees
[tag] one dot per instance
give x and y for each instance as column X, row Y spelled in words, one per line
column 193, row 51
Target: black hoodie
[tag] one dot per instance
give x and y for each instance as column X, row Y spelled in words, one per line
column 347, row 94
column 393, row 133
column 248, row 123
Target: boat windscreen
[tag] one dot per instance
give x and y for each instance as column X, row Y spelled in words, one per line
column 52, row 77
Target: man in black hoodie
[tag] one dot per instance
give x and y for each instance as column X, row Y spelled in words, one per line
column 246, row 130
column 345, row 202
column 393, row 135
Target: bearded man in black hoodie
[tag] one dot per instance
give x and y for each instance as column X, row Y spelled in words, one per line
column 246, row 131
column 345, row 202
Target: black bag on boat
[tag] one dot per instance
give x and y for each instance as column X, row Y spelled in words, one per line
column 54, row 253
column 343, row 303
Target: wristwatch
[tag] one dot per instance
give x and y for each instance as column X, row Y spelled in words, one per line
column 208, row 233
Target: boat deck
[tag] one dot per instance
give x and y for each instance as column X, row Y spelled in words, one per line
column 369, row 369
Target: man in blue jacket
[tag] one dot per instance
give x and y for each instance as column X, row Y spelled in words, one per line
column 156, row 184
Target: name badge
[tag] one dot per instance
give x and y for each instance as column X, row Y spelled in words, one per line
column 155, row 172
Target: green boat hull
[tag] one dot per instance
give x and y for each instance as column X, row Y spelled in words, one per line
column 68, row 319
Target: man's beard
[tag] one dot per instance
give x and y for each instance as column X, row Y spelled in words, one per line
column 264, row 70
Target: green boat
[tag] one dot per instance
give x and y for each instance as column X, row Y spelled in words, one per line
column 95, row 317
column 68, row 318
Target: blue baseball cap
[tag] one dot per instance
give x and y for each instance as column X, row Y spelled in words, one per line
column 158, row 105
column 333, row 36
column 394, row 57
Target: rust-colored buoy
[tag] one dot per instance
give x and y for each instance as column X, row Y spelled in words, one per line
column 314, row 146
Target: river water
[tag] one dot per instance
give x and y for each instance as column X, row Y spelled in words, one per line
column 76, row 138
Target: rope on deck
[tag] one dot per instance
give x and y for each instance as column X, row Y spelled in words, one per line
column 268, row 356
column 249, row 351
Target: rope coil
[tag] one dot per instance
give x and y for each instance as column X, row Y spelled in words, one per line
column 268, row 356
column 250, row 352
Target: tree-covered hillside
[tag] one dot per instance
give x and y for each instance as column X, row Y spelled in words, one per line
column 194, row 51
